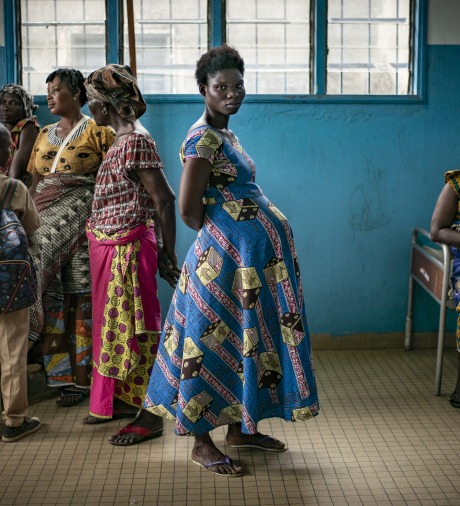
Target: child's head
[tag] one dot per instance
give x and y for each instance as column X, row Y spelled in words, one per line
column 5, row 140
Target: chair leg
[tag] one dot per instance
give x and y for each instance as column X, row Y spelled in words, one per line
column 410, row 301
column 440, row 351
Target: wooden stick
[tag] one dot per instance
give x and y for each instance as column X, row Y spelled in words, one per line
column 131, row 36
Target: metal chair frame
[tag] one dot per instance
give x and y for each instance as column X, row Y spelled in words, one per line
column 431, row 269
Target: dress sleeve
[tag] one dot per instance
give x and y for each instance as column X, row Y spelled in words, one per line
column 452, row 177
column 141, row 153
column 203, row 143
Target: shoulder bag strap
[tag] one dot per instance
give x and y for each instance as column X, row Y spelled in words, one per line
column 9, row 194
column 64, row 143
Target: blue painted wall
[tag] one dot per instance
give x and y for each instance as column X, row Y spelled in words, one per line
column 353, row 180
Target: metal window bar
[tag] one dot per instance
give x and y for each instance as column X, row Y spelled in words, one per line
column 53, row 25
column 257, row 68
column 397, row 21
column 169, row 23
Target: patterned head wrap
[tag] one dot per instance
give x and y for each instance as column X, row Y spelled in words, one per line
column 26, row 98
column 116, row 85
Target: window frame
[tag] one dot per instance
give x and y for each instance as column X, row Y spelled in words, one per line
column 216, row 36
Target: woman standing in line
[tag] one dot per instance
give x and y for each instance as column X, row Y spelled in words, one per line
column 64, row 160
column 17, row 114
column 131, row 189
column 235, row 348
column 445, row 228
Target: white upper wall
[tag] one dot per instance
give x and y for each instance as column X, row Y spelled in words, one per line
column 444, row 22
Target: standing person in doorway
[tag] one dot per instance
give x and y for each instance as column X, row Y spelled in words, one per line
column 235, row 348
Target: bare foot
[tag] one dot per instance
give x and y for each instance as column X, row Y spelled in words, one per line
column 206, row 455
column 145, row 426
column 237, row 439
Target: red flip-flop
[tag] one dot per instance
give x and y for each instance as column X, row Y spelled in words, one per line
column 142, row 433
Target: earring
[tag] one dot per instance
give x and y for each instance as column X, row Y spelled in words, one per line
column 104, row 111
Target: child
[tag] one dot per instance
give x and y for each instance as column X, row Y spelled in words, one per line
column 14, row 326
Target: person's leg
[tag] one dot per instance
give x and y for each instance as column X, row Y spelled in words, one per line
column 237, row 439
column 206, row 454
column 455, row 397
column 13, row 346
column 14, row 328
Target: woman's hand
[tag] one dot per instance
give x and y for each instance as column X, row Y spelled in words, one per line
column 167, row 267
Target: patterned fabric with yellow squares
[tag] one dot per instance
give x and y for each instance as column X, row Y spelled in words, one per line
column 235, row 345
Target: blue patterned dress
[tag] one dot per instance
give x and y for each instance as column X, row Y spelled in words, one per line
column 235, row 345
column 452, row 177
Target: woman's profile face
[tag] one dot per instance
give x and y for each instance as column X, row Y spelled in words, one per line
column 224, row 92
column 11, row 109
column 60, row 98
column 95, row 107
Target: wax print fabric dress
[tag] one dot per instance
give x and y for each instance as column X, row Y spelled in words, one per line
column 452, row 177
column 235, row 346
column 61, row 317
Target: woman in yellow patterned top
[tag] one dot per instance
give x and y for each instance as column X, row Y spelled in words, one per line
column 64, row 162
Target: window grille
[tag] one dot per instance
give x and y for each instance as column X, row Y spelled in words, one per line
column 60, row 33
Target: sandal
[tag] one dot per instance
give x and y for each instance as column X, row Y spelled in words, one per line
column 225, row 462
column 258, row 441
column 72, row 396
column 142, row 434
column 117, row 415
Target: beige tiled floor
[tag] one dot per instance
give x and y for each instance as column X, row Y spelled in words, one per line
column 382, row 438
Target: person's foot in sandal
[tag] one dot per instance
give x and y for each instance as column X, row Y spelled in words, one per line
column 146, row 426
column 72, row 396
column 121, row 411
column 207, row 455
column 117, row 415
column 236, row 439
column 11, row 434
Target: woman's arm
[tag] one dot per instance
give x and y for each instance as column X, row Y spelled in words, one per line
column 195, row 177
column 21, row 157
column 35, row 180
column 158, row 188
column 443, row 217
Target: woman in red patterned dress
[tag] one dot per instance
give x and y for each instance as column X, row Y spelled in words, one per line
column 131, row 192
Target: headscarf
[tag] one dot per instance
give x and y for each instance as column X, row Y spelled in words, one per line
column 116, row 85
column 26, row 98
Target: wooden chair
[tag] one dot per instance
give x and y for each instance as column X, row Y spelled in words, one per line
column 430, row 267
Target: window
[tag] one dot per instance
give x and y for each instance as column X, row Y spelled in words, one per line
column 293, row 49
column 60, row 33
column 170, row 36
column 369, row 51
column 274, row 39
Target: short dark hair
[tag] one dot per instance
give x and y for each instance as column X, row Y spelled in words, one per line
column 218, row 58
column 74, row 80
